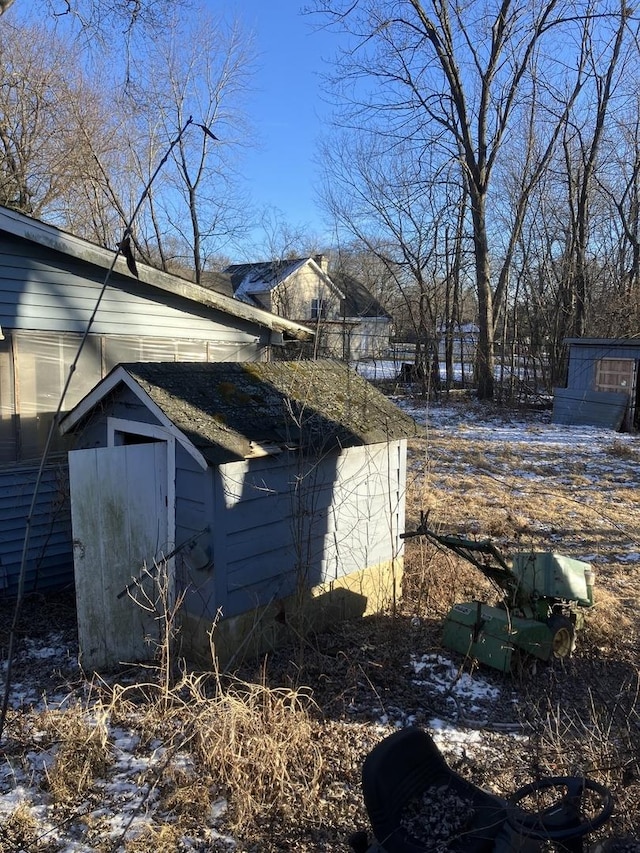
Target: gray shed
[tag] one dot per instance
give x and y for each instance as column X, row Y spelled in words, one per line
column 602, row 384
column 273, row 492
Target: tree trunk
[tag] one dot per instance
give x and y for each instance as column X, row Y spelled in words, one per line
column 485, row 361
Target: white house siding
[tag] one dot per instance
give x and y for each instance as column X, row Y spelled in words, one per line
column 294, row 296
column 346, row 512
column 355, row 338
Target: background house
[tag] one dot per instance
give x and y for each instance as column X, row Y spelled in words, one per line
column 276, row 490
column 602, row 384
column 49, row 285
column 350, row 324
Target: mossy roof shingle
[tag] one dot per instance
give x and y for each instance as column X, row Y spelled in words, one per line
column 225, row 407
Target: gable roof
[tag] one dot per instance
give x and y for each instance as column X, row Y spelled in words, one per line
column 359, row 301
column 251, row 280
column 229, row 411
column 19, row 225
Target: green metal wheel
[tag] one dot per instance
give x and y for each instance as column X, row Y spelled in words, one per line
column 562, row 636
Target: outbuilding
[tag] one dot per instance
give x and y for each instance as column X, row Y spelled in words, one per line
column 271, row 494
column 602, row 384
column 66, row 302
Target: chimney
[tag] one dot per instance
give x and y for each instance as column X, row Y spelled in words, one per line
column 322, row 261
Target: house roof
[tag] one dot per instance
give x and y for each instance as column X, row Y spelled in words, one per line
column 251, row 280
column 231, row 411
column 19, row 225
column 359, row 301
column 631, row 341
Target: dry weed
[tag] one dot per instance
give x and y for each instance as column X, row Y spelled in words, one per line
column 623, row 450
column 186, row 796
column 253, row 744
column 261, row 746
column 19, row 830
column 158, row 838
column 83, row 752
column 609, row 621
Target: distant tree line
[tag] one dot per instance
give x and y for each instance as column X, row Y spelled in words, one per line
column 483, row 164
column 90, row 103
column 488, row 154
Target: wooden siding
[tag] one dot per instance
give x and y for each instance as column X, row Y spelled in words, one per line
column 583, row 358
column 281, row 526
column 575, row 407
column 50, row 554
column 194, row 530
column 48, row 294
column 47, row 291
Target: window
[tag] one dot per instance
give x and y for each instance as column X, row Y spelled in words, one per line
column 42, row 367
column 7, row 405
column 318, row 309
column 615, row 374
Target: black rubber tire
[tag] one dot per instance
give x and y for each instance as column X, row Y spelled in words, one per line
column 563, row 636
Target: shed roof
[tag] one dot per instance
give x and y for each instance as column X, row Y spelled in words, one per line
column 238, row 410
column 604, row 342
column 36, row 231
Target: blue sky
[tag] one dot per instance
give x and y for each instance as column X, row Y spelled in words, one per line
column 286, row 109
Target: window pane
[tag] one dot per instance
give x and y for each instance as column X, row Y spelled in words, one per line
column 8, row 449
column 43, row 361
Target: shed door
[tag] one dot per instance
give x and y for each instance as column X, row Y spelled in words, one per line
column 120, row 526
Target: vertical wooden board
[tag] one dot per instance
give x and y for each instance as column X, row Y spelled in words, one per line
column 119, row 516
column 83, row 474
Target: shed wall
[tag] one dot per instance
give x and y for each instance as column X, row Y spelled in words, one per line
column 583, row 358
column 49, row 562
column 286, row 524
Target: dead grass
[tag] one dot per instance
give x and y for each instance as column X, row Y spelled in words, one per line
column 284, row 748
column 19, row 830
column 250, row 743
column 83, row 752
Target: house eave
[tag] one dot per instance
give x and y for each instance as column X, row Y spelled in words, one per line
column 60, row 241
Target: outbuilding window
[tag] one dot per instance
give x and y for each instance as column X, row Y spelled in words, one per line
column 615, row 374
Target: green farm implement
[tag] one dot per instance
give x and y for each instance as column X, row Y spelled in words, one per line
column 543, row 599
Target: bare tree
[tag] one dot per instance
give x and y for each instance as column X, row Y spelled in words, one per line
column 102, row 19
column 460, row 76
column 82, row 153
column 198, row 70
column 379, row 199
column 43, row 97
column 582, row 143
